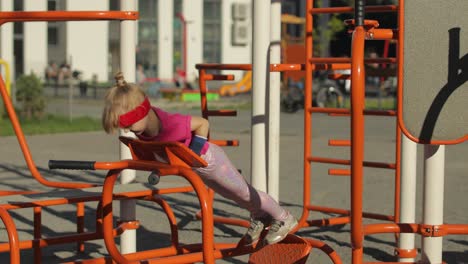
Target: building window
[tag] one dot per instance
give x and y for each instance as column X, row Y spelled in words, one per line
column 52, row 35
column 52, row 5
column 212, row 31
column 147, row 54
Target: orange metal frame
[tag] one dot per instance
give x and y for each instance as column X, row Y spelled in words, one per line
column 358, row 230
column 104, row 219
column 315, row 64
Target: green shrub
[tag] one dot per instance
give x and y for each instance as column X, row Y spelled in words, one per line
column 29, row 91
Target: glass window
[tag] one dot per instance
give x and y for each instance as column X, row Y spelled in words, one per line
column 212, row 31
column 52, row 35
column 52, row 5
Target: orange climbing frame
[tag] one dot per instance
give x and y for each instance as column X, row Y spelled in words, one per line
column 358, row 229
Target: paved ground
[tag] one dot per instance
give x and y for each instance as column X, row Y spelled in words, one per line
column 326, row 190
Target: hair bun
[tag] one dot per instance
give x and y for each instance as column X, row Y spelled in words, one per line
column 120, row 80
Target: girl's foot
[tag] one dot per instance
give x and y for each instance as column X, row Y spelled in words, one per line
column 279, row 229
column 255, row 230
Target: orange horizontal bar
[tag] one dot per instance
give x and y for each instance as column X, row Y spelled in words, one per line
column 324, row 209
column 370, row 164
column 329, row 110
column 346, row 9
column 339, row 172
column 24, row 16
column 329, row 221
column 274, row 67
column 222, row 112
column 218, row 77
column 454, row 229
column 225, row 143
column 390, row 228
column 339, row 142
column 382, row 34
column 316, row 60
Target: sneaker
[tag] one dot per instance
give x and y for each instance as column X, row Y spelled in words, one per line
column 280, row 229
column 255, row 230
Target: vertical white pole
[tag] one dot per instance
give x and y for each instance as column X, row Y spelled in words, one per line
column 274, row 102
column 6, row 40
column 408, row 192
column 127, row 66
column 35, row 41
column 433, row 200
column 261, row 41
column 166, row 39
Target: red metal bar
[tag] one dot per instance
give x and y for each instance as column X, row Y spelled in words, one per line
column 218, row 77
column 222, row 112
column 307, row 115
column 31, row 16
column 347, row 111
column 339, row 172
column 382, row 34
column 37, row 234
column 202, row 194
column 334, row 257
column 357, row 140
column 371, row 164
column 225, row 143
column 13, row 239
column 346, row 9
column 331, row 210
column 80, row 212
column 339, row 142
column 25, row 148
column 274, row 67
column 170, row 217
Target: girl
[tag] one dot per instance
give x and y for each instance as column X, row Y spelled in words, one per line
column 128, row 108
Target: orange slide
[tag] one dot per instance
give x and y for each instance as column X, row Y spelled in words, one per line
column 242, row 86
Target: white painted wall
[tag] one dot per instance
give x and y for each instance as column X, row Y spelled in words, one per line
column 235, row 53
column 6, row 38
column 35, row 40
column 87, row 41
column 193, row 13
column 165, row 39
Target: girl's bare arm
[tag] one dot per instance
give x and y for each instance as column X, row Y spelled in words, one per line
column 200, row 126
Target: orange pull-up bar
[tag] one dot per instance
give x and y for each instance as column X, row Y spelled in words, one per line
column 31, row 16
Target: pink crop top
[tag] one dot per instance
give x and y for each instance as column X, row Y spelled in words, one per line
column 174, row 127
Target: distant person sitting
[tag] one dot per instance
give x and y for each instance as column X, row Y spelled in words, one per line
column 140, row 75
column 51, row 73
column 65, row 73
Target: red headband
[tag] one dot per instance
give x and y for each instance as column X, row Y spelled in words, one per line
column 135, row 115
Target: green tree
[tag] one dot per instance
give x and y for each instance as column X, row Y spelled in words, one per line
column 29, row 92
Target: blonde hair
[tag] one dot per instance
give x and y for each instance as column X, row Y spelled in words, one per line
column 120, row 99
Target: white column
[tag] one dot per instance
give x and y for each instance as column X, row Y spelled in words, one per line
column 433, row 200
column 87, row 42
column 6, row 41
column 274, row 102
column 407, row 192
column 35, row 40
column 261, row 41
column 193, row 13
column 127, row 65
column 165, row 39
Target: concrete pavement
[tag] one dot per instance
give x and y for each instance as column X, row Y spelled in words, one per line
column 327, row 190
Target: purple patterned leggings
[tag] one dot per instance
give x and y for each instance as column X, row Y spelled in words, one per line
column 221, row 176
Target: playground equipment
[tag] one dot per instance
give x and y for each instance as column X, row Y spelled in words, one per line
column 242, row 86
column 432, row 228
column 180, row 160
column 326, row 92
